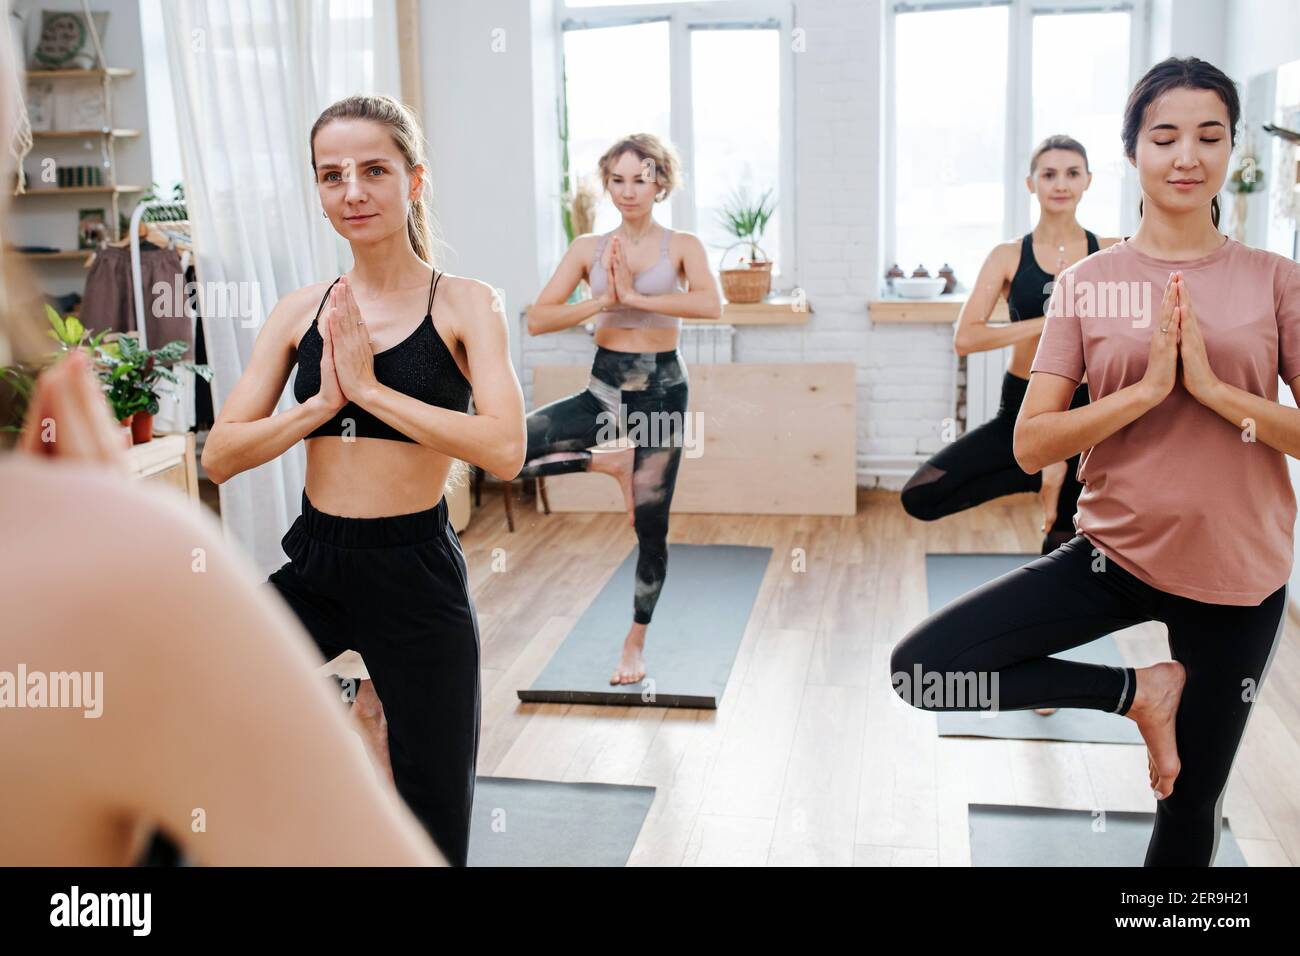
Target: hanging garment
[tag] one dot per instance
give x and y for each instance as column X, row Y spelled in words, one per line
column 109, row 299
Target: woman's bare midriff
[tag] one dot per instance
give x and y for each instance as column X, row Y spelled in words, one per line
column 637, row 340
column 1022, row 357
column 373, row 477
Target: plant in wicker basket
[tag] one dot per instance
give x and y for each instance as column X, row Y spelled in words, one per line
column 746, row 220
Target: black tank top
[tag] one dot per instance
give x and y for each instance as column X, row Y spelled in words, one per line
column 420, row 365
column 1031, row 287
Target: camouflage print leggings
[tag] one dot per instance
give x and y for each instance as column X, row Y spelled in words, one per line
column 640, row 395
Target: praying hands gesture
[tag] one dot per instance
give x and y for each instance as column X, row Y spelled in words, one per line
column 353, row 358
column 622, row 283
column 1177, row 340
column 1198, row 377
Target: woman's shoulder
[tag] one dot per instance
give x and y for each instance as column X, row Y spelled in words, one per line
column 1282, row 268
column 1099, row 264
column 588, row 242
column 466, row 295
column 682, row 238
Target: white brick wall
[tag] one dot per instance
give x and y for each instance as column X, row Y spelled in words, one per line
column 905, row 377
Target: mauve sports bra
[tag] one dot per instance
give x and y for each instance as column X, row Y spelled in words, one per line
column 659, row 279
column 420, row 365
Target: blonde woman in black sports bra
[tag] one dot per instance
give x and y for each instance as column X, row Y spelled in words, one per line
column 374, row 565
column 637, row 375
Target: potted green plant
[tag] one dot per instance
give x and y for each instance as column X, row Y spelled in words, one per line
column 70, row 335
column 746, row 221
column 131, row 374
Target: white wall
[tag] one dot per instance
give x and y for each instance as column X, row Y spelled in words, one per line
column 1261, row 35
column 489, row 117
column 1189, row 28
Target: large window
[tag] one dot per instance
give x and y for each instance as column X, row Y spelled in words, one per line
column 713, row 79
column 1080, row 85
column 600, row 111
column 950, row 136
column 973, row 87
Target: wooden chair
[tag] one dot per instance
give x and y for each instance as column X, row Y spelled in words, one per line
column 507, row 492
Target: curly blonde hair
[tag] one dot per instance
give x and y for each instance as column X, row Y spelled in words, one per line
column 650, row 149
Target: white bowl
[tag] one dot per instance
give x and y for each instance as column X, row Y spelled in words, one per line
column 920, row 288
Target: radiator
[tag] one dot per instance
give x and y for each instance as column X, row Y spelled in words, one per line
column 706, row 344
column 984, row 373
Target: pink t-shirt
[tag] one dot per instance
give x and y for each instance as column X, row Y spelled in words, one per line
column 1178, row 497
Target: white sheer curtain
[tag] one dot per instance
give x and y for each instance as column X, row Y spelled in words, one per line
column 249, row 80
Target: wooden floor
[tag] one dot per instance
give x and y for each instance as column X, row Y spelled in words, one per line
column 811, row 758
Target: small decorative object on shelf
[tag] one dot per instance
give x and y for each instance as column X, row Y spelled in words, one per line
column 92, row 229
column 1245, row 179
column 949, row 277
column 920, row 272
column 68, row 176
column 66, row 41
column 893, row 273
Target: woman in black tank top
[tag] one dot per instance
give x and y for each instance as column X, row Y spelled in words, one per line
column 980, row 465
column 375, row 565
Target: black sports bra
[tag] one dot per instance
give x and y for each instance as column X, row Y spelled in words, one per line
column 1031, row 287
column 420, row 365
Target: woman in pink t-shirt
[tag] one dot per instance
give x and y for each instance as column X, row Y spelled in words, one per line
column 1187, row 511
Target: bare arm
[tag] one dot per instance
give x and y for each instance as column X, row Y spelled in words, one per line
column 552, row 312
column 1048, row 430
column 1272, row 423
column 246, row 433
column 703, row 301
column 973, row 333
column 494, row 437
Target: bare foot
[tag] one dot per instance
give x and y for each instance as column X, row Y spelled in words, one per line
column 374, row 726
column 618, row 464
column 1045, row 711
column 631, row 668
column 1049, row 495
column 1159, row 689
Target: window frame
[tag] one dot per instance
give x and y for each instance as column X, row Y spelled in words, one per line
column 682, row 18
column 1019, row 105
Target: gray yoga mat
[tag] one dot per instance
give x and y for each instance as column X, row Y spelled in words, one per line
column 1044, row 836
column 948, row 577
column 546, row 823
column 699, row 621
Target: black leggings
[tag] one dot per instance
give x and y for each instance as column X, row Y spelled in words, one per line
column 1006, row 630
column 980, row 466
column 396, row 590
column 640, row 395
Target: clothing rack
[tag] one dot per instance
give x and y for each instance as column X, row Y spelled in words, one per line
column 176, row 402
column 177, row 238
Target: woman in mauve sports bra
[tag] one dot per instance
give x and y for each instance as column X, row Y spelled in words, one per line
column 638, row 386
column 375, row 566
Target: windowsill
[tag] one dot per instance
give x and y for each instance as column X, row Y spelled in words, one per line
column 939, row 310
column 774, row 310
